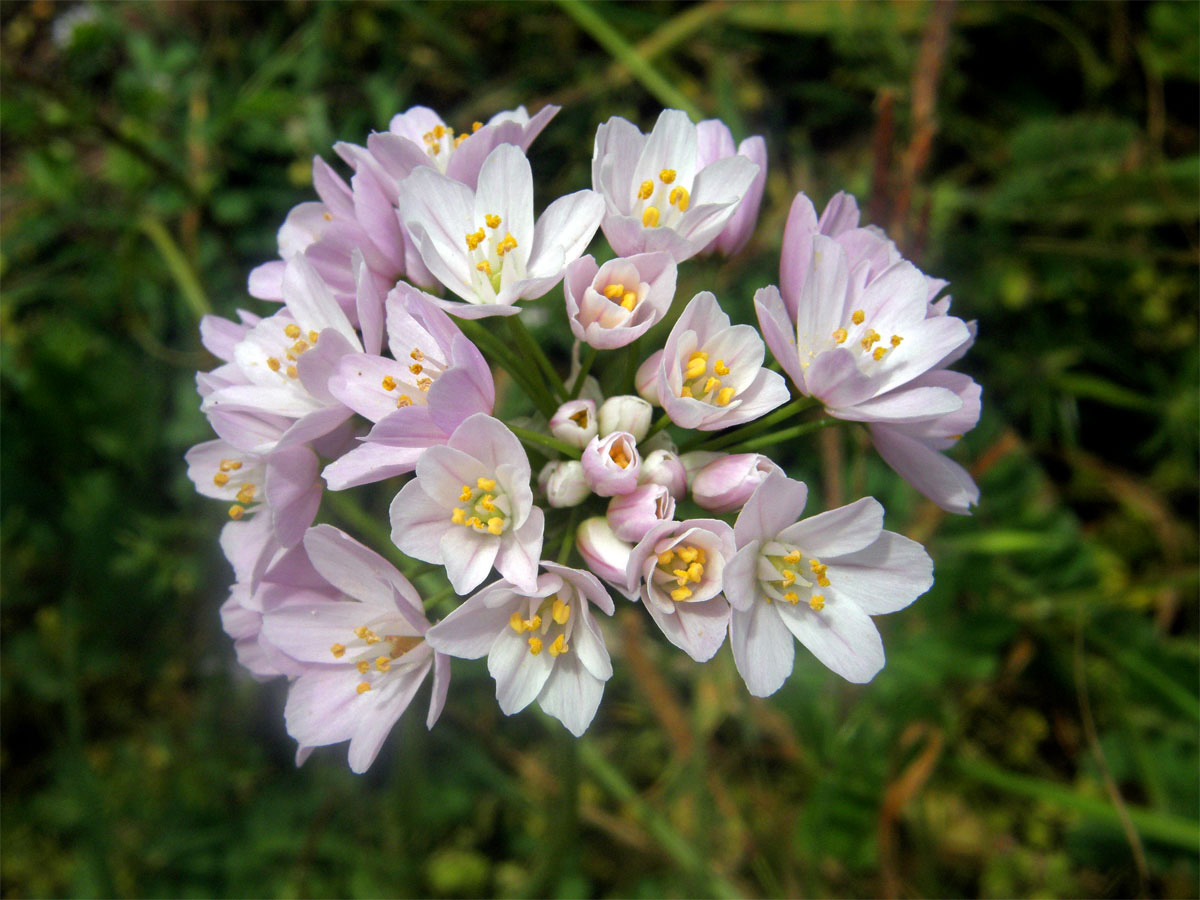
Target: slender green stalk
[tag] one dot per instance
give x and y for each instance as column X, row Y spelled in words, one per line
column 659, row 424
column 177, row 264
column 779, row 437
column 568, row 541
column 701, row 442
column 498, row 352
column 544, row 440
column 590, row 20
column 585, row 366
column 530, row 348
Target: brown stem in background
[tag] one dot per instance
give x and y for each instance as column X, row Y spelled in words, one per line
column 830, row 442
column 880, row 208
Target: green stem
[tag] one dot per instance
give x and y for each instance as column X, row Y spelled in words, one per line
column 779, row 437
column 660, row 423
column 177, row 264
column 544, row 440
column 750, row 429
column 500, row 354
column 585, row 366
column 568, row 541
column 529, row 347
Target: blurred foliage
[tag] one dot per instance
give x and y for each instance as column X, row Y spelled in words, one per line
column 1035, row 730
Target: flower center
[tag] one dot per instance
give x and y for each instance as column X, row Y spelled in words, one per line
column 243, row 483
column 291, row 346
column 486, row 249
column 549, row 626
column 790, row 581
column 866, row 338
column 480, row 509
column 681, row 566
column 441, row 142
column 702, row 382
column 372, row 654
column 422, row 372
column 622, row 296
column 661, row 201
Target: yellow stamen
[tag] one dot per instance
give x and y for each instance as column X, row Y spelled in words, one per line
column 382, row 663
column 416, row 354
column 695, row 572
column 363, row 666
column 236, row 512
column 487, row 504
column 858, row 317
column 403, row 400
column 560, row 611
column 466, row 494
column 293, row 372
column 246, row 493
column 789, row 577
column 817, row 602
column 650, row 217
column 363, row 687
column 416, row 368
column 220, row 479
column 485, row 267
column 299, row 347
column 312, row 337
column 711, row 384
column 695, row 368
column 495, row 525
column 559, row 646
column 515, row 623
column 475, row 126
column 629, row 301
column 725, row 395
column 666, row 176
column 292, row 330
column 272, row 364
column 688, row 554
column 664, row 559
column 679, row 197
column 619, row 456
column 388, row 383
column 338, row 650
column 685, row 391
column 681, row 576
column 680, row 594
column 697, row 354
column 328, row 216
column 509, row 243
column 793, row 557
column 878, row 354
column 485, row 484
column 720, row 368
column 474, row 522
column 792, row 597
column 896, row 339
column 475, row 239
column 839, row 336
column 424, row 383
column 236, row 464
column 535, row 645
column 458, row 515
column 645, row 189
column 492, row 221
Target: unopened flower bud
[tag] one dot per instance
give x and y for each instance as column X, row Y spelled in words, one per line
column 696, row 460
column 563, row 483
column 664, row 467
column 625, row 413
column 631, row 515
column 575, row 422
column 611, row 464
column 727, row 483
column 605, row 553
column 646, row 379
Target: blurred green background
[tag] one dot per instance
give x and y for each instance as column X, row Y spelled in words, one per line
column 1035, row 732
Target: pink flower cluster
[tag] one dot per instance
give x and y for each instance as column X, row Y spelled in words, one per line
column 581, row 492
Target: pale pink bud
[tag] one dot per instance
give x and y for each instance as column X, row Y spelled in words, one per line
column 625, row 413
column 612, row 464
column 696, row 460
column 612, row 305
column 605, row 553
column 664, row 467
column 646, row 379
column 575, row 422
column 631, row 515
column 563, row 483
column 727, row 483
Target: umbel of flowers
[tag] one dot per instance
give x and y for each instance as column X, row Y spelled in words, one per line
column 372, row 369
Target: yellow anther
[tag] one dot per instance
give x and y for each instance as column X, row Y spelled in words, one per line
column 466, row 494
column 424, row 383
column 236, row 512
column 789, row 577
column 403, row 400
column 366, row 634
column 458, row 140
column 458, row 516
column 695, row 368
column 559, row 646
column 533, row 623
column 475, row 126
column 475, row 239
column 475, row 522
column 535, row 645
column 666, row 176
column 363, row 687
column 816, row 602
column 273, row 364
column 439, row 132
column 299, row 347
column 839, row 336
column 724, row 396
column 485, row 484
column 495, row 525
column 220, row 479
column 293, row 372
column 363, row 666
column 560, row 612
column 681, row 576
column 327, row 216
column 613, row 291
column 792, row 597
column 246, row 493
column 338, row 650
column 896, row 339
column 664, row 559
column 695, row 572
column 618, row 455
column 858, row 317
column 292, row 330
column 711, row 384
column 679, row 197
column 435, row 149
column 697, row 354
column 416, row 368
column 720, row 368
column 236, row 464
column 688, row 554
column 388, row 383
column 485, row 267
column 650, row 217
column 629, row 301
column 823, row 580
column 509, row 243
column 685, row 391
column 487, row 504
column 680, row 594
column 427, row 137
column 817, row 566
column 312, row 337
column 645, row 189
column 416, row 354
column 793, row 557
column 492, row 221
column 516, row 624
column 382, row 663
column 878, row 354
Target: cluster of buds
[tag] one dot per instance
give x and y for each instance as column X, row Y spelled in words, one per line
column 657, row 494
